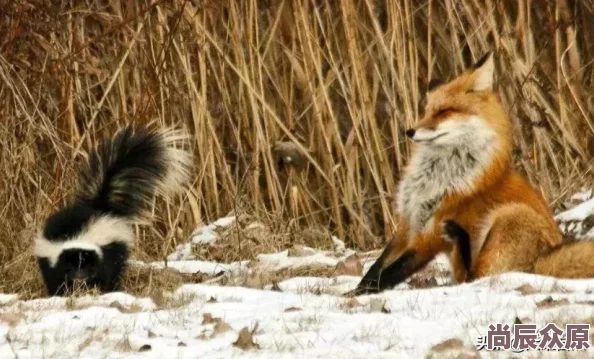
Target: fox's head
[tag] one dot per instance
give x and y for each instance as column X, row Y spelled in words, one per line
column 463, row 111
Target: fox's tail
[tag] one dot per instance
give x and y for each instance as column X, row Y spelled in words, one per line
column 573, row 259
column 123, row 174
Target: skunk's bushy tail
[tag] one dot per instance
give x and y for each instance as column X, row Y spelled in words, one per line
column 123, row 174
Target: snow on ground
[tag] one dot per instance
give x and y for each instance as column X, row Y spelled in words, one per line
column 583, row 195
column 282, row 260
column 578, row 221
column 301, row 317
column 203, row 235
column 203, row 321
column 196, row 266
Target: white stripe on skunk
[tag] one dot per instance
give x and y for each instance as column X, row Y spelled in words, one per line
column 100, row 232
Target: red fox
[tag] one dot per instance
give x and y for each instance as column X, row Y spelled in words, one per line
column 460, row 195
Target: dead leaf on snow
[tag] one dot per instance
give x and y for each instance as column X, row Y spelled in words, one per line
column 300, row 251
column 221, row 327
column 219, row 324
column 257, row 280
column 126, row 309
column 350, row 266
column 207, row 318
column 12, row 319
column 350, row 303
column 526, row 289
column 549, row 302
column 245, row 339
column 448, row 344
column 293, row 309
column 452, row 348
column 420, row 281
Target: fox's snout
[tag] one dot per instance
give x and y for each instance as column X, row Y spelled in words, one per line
column 410, row 132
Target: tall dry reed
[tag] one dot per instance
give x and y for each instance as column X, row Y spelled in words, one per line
column 297, row 107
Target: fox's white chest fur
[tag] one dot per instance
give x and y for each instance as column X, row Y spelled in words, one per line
column 435, row 171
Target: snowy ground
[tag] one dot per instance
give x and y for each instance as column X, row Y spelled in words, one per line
column 303, row 317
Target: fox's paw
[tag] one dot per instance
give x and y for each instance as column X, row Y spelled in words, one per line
column 451, row 231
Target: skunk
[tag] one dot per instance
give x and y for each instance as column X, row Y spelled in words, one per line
column 90, row 239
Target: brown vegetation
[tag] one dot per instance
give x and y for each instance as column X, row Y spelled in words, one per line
column 340, row 80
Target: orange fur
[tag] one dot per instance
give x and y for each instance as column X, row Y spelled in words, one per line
column 508, row 221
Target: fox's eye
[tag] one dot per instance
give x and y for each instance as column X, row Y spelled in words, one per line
column 442, row 112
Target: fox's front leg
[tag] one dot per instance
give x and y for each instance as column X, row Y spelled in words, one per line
column 374, row 281
column 460, row 253
column 398, row 261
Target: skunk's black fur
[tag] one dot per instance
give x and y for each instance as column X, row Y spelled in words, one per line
column 90, row 239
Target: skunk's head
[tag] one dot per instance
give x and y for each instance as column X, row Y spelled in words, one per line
column 76, row 235
column 79, row 264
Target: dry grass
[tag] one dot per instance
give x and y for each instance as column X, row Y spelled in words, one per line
column 248, row 236
column 340, row 80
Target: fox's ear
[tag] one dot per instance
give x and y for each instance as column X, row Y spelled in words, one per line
column 484, row 69
column 433, row 84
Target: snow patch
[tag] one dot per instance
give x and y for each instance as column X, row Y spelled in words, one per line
column 207, row 234
column 578, row 213
column 584, row 195
column 6, row 299
column 336, row 285
column 201, row 236
column 577, row 221
column 298, row 317
column 196, row 266
column 282, row 260
column 293, row 322
column 339, row 245
column 225, row 221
